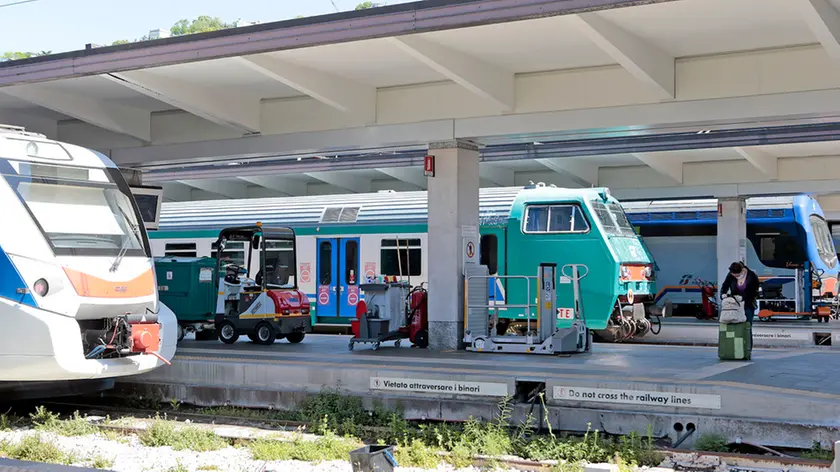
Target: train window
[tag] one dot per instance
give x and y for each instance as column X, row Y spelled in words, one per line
column 776, row 250
column 234, row 253
column 825, row 245
column 490, row 253
column 180, row 250
column 400, row 257
column 351, row 262
column 325, row 264
column 565, row 218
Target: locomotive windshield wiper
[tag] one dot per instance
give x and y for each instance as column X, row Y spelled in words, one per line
column 124, row 247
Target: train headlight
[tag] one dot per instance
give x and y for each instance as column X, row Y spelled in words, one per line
column 648, row 272
column 625, row 272
column 41, row 287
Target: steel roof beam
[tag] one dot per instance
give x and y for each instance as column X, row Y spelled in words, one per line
column 346, row 181
column 355, row 99
column 646, row 62
column 824, row 21
column 669, row 167
column 767, row 163
column 276, row 183
column 110, row 116
column 813, row 187
column 409, row 175
column 496, row 174
column 219, row 187
column 406, row 18
column 485, row 80
column 173, row 191
column 224, row 107
column 582, row 173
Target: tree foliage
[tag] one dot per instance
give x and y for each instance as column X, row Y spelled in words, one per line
column 366, row 5
column 202, row 24
column 15, row 55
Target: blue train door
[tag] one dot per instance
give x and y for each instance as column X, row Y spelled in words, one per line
column 338, row 277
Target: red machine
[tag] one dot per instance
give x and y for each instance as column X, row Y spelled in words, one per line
column 707, row 291
column 418, row 317
column 417, row 322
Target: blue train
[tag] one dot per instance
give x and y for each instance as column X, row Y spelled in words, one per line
column 791, row 248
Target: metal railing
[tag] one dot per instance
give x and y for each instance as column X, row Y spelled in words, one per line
column 495, row 307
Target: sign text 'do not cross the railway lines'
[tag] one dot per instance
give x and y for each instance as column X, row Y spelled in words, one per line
column 637, row 397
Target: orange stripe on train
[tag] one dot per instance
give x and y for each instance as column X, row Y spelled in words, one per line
column 87, row 285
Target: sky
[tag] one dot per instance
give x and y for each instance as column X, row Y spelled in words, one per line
column 67, row 25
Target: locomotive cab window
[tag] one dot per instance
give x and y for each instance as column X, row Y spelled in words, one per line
column 554, row 219
column 400, row 257
column 180, row 250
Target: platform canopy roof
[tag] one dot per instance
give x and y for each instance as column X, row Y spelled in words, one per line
column 652, row 98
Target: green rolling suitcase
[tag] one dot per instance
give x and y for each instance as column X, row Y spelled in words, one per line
column 735, row 342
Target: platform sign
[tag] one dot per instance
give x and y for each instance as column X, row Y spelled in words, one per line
column 781, row 334
column 565, row 313
column 305, row 272
column 352, row 295
column 452, row 387
column 637, row 397
column 370, row 270
column 324, row 295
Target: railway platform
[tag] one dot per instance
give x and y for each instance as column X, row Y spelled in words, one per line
column 766, row 334
column 782, row 397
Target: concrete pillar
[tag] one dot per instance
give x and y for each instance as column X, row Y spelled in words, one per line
column 453, row 212
column 731, row 234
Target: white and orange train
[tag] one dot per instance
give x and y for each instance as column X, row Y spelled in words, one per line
column 78, row 296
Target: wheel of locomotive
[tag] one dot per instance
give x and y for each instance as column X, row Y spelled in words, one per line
column 295, row 338
column 227, row 333
column 181, row 333
column 265, row 334
column 421, row 339
column 624, row 329
column 655, row 325
column 611, row 334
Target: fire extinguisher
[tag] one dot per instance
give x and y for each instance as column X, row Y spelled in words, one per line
column 418, row 331
column 707, row 292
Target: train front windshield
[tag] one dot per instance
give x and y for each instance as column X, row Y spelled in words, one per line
column 80, row 211
column 613, row 219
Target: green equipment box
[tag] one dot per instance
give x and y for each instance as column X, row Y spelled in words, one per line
column 187, row 286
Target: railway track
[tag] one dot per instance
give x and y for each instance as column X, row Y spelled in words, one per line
column 683, row 459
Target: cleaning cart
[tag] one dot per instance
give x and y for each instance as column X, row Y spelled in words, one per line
column 381, row 316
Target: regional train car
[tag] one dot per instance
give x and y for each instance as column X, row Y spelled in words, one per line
column 78, row 298
column 790, row 248
column 344, row 239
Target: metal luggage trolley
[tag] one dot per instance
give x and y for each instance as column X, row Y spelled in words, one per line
column 546, row 338
column 384, row 318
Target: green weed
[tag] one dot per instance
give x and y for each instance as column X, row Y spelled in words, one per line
column 163, row 433
column 326, row 448
column 712, row 443
column 817, row 452
column 33, row 448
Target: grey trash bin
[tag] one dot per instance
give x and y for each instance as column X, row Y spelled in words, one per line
column 373, row 459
